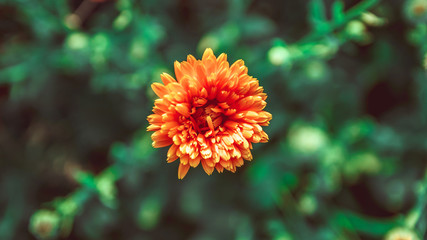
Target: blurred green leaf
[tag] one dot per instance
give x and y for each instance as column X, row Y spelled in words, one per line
column 338, row 11
column 355, row 222
column 317, row 15
column 86, row 179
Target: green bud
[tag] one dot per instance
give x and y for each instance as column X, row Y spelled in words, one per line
column 401, row 233
column 316, row 71
column 372, row 20
column 307, row 139
column 123, row 20
column 279, row 55
column 307, row 204
column 416, row 10
column 355, row 28
column 44, row 224
column 77, row 41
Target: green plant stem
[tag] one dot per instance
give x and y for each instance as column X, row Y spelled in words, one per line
column 414, row 215
column 333, row 25
column 72, row 204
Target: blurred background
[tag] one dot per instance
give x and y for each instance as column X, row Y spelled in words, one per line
column 347, row 87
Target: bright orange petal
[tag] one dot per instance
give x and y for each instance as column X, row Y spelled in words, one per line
column 166, row 78
column 208, row 169
column 208, row 53
column 159, row 144
column 195, row 162
column 159, row 89
column 183, row 170
column 172, row 153
column 178, row 71
column 219, row 168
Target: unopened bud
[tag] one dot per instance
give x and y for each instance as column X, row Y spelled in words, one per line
column 44, row 224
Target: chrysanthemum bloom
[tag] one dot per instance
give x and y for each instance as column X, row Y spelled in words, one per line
column 211, row 114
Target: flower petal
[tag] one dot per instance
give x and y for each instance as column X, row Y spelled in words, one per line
column 208, row 169
column 183, row 170
column 166, row 78
column 159, row 89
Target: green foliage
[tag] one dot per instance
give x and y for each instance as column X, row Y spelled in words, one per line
column 346, row 86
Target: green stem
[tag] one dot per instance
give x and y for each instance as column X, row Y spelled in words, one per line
column 414, row 215
column 349, row 15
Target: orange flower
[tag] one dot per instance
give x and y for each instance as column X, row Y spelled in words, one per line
column 211, row 115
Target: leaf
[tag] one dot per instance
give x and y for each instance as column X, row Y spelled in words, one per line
column 85, row 179
column 119, row 152
column 317, row 13
column 105, row 184
column 358, row 223
column 338, row 11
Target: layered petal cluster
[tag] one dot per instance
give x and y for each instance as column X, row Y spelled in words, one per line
column 210, row 115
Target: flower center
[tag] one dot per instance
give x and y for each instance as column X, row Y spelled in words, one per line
column 207, row 117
